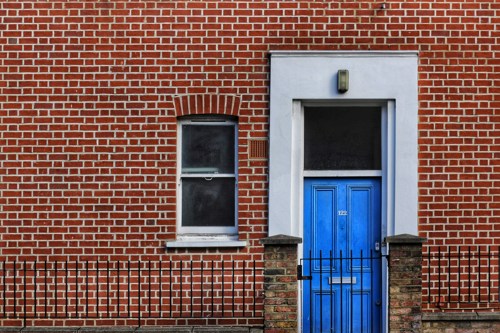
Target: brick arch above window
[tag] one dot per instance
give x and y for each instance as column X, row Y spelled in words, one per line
column 207, row 104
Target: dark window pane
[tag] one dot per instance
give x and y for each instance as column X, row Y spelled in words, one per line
column 342, row 138
column 207, row 149
column 208, row 203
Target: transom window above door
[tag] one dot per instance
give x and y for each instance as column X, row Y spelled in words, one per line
column 342, row 138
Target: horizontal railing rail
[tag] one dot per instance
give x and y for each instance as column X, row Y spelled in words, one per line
column 130, row 290
column 461, row 277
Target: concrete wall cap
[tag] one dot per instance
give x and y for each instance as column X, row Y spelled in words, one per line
column 405, row 239
column 221, row 329
column 38, row 329
column 461, row 316
column 102, row 329
column 187, row 329
column 281, row 240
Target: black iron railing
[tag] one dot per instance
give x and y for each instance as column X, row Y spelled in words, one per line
column 462, row 276
column 342, row 292
column 130, row 290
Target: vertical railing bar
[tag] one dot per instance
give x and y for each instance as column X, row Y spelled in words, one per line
column 222, row 272
column 128, row 289
column 180, row 282
column 244, row 285
column 331, row 291
column 66, row 296
column 428, row 274
column 439, row 274
column 108, row 291
column 191, row 291
column 372, row 260
column 4, row 271
column 498, row 274
column 381, row 265
column 24, row 295
column 97, row 313
column 310, row 294
column 160, row 291
column 170, row 287
column 35, row 289
column 149, row 287
column 489, row 274
column 202, row 297
column 232, row 291
column 459, row 274
column 139, row 294
column 361, row 291
column 118, row 289
column 469, row 274
column 212, row 290
column 352, row 292
column 449, row 274
column 479, row 275
column 76, row 291
column 254, row 288
column 55, row 295
column 15, row 289
column 341, row 295
column 86, row 289
column 46, row 288
column 321, row 289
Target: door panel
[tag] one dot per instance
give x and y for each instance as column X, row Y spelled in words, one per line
column 341, row 227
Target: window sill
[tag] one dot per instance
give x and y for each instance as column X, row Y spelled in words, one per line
column 205, row 243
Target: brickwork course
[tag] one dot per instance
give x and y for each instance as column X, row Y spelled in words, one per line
column 90, row 92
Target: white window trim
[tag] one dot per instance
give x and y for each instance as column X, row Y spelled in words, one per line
column 341, row 173
column 205, row 242
column 204, row 234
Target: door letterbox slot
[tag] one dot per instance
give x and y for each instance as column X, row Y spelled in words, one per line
column 345, row 280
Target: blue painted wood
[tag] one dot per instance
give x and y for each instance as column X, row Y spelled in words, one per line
column 342, row 219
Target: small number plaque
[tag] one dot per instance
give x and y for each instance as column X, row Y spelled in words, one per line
column 342, row 212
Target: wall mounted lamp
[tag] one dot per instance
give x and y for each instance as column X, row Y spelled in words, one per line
column 342, row 80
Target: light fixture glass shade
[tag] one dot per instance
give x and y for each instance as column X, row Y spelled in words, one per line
column 342, row 80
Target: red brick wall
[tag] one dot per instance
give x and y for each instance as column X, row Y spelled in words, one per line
column 88, row 114
column 88, row 122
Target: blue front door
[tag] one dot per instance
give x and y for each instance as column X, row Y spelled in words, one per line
column 342, row 227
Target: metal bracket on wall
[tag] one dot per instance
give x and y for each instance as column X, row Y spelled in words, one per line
column 300, row 276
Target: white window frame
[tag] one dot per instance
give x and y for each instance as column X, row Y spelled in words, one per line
column 206, row 233
column 300, row 108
